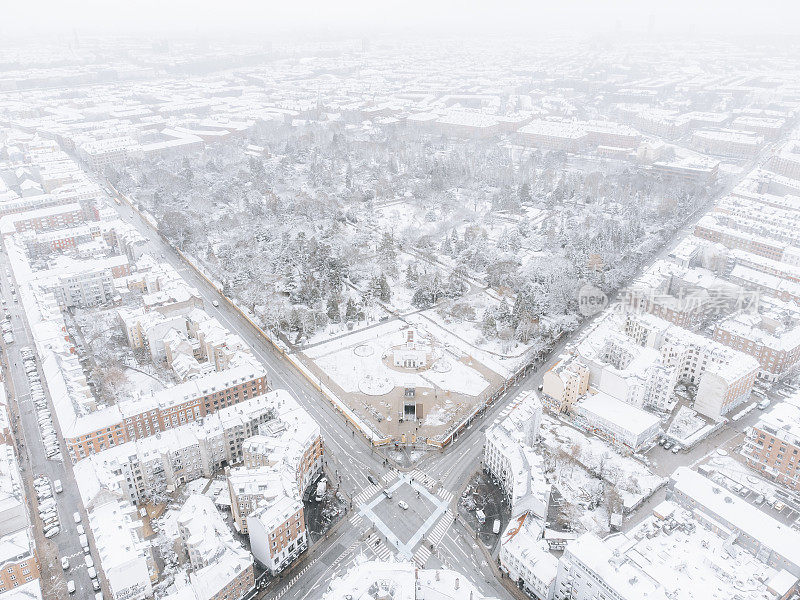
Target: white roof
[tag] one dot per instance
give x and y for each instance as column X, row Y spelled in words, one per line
column 742, row 515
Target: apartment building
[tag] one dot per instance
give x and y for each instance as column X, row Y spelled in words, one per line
column 609, row 133
column 772, row 445
column 612, row 419
column 554, row 135
column 526, row 559
column 690, row 171
column 724, row 376
column 168, row 409
column 510, row 460
column 787, row 161
column 109, row 152
column 248, row 489
column 711, row 228
column 86, row 289
column 60, row 216
column 762, row 536
column 277, row 532
column 682, row 296
column 157, row 465
column 673, row 554
column 19, row 562
column 563, row 384
column 727, row 142
column 280, row 463
column 770, row 128
column 125, row 557
column 292, row 439
column 766, row 283
column 772, row 341
column 45, row 243
column 221, row 569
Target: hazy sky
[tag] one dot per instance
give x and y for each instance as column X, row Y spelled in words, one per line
column 380, row 16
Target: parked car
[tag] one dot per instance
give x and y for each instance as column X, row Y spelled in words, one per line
column 71, row 586
column 89, row 561
column 53, row 532
column 779, row 506
column 92, row 573
column 387, row 493
column 80, row 529
column 95, row 585
column 668, row 445
column 403, row 504
column 64, row 563
column 76, row 516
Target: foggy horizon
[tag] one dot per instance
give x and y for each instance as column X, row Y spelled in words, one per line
column 362, row 17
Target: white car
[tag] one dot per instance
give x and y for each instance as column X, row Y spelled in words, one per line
column 52, row 532
column 403, row 504
column 81, row 530
column 76, row 516
column 65, row 563
column 215, row 303
column 71, row 586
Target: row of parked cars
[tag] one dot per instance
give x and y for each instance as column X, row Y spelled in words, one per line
column 43, row 414
column 8, row 331
column 48, row 510
column 87, row 560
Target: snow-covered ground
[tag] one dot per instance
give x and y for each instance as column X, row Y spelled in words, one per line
column 354, row 368
column 632, row 479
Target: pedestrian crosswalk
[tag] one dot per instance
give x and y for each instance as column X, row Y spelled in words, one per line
column 445, row 495
column 423, row 478
column 356, row 519
column 378, row 547
column 441, row 527
column 389, row 477
column 366, row 494
column 421, row 556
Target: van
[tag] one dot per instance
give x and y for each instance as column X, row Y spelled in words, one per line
column 71, row 586
column 92, row 573
column 57, row 486
column 763, row 404
column 84, row 541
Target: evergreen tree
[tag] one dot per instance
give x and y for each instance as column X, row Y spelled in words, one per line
column 350, row 311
